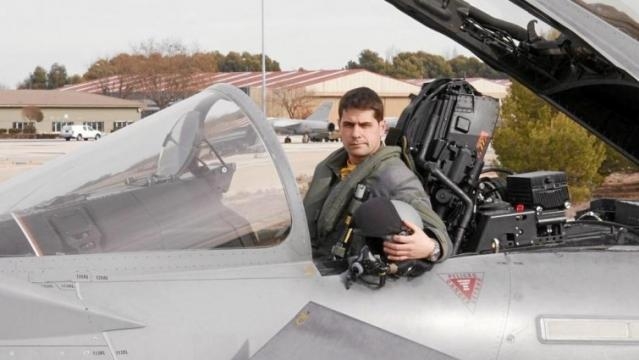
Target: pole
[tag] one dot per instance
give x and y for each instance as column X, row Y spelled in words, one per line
column 263, row 66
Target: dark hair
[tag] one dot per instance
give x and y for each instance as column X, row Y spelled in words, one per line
column 362, row 98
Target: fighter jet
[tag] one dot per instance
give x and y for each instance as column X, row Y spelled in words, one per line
column 391, row 121
column 183, row 235
column 316, row 127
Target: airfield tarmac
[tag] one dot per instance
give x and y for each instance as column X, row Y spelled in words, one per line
column 18, row 156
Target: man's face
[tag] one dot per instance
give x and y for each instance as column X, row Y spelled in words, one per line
column 361, row 133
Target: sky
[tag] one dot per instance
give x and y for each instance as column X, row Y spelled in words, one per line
column 312, row 34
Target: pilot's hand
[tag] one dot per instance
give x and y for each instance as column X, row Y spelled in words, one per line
column 415, row 245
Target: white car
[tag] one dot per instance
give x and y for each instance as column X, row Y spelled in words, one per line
column 79, row 132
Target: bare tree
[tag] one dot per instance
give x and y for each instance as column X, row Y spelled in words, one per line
column 158, row 71
column 297, row 102
column 164, row 71
column 122, row 85
column 166, row 78
column 32, row 113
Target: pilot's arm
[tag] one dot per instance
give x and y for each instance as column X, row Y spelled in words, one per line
column 431, row 243
column 417, row 245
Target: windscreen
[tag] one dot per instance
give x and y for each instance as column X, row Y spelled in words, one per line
column 619, row 13
column 196, row 175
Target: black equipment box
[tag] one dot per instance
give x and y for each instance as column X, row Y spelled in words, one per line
column 627, row 212
column 446, row 117
column 548, row 189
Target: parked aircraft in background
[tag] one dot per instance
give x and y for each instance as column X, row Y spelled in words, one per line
column 316, row 127
column 188, row 239
column 391, row 121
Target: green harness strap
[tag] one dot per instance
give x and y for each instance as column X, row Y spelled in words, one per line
column 341, row 195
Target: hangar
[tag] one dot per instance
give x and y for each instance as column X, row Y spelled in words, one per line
column 289, row 93
column 308, row 87
column 55, row 109
column 319, row 86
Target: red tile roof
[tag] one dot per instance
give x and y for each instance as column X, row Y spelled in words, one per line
column 274, row 79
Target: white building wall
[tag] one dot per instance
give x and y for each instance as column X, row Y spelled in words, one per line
column 490, row 88
column 78, row 116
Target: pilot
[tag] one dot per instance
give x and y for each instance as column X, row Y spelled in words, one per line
column 364, row 159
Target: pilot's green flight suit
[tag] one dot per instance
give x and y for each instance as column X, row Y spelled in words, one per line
column 385, row 175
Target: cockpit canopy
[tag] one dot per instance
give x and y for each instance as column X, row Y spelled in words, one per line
column 585, row 64
column 194, row 176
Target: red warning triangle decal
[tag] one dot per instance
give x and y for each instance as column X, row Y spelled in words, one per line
column 465, row 285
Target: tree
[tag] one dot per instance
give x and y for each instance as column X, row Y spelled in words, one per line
column 163, row 71
column 36, row 80
column 57, row 76
column 32, row 113
column 370, row 61
column 163, row 74
column 116, row 75
column 297, row 102
column 407, row 66
column 207, row 62
column 434, row 65
column 101, row 68
column 74, row 79
column 234, row 61
column 419, row 65
column 466, row 67
column 532, row 136
column 271, row 65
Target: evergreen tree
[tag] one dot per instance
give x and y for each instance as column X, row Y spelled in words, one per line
column 420, row 65
column 533, row 136
column 467, row 67
column 369, row 60
column 57, row 76
column 36, row 80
